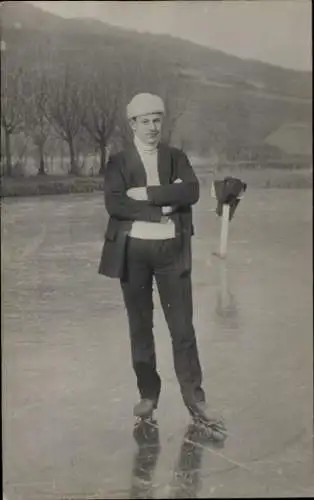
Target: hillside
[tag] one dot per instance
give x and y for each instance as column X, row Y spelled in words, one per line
column 189, row 57
column 226, row 105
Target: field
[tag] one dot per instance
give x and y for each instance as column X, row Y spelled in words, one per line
column 68, row 388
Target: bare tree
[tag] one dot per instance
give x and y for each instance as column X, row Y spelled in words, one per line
column 38, row 127
column 65, row 111
column 122, row 132
column 101, row 96
column 12, row 103
column 175, row 108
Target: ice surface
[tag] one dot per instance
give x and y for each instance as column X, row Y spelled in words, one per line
column 68, row 387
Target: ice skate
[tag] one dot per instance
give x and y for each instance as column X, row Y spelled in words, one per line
column 210, row 428
column 146, row 431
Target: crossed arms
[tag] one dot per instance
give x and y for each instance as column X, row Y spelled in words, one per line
column 152, row 202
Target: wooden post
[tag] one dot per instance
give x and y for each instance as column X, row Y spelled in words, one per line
column 224, row 231
column 222, row 253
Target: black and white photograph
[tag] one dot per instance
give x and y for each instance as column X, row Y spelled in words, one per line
column 156, row 249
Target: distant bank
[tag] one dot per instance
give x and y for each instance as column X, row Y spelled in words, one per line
column 49, row 184
column 255, row 178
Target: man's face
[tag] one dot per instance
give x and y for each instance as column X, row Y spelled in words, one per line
column 148, row 127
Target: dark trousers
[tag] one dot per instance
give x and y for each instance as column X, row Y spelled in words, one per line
column 147, row 259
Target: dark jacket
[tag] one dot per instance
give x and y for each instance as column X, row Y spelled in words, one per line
column 125, row 170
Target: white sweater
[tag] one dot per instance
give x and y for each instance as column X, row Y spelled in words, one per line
column 151, row 230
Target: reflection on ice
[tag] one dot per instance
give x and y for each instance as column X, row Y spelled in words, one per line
column 226, row 311
column 146, row 435
column 185, row 482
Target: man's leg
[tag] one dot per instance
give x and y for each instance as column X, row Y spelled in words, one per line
column 137, row 293
column 175, row 292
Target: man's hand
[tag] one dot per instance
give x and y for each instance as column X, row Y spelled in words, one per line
column 138, row 193
column 168, row 210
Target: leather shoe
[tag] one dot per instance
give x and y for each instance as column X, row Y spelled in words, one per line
column 144, row 408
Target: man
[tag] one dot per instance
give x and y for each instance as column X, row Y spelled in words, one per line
column 149, row 190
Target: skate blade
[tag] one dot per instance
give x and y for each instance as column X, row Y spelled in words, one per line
column 147, row 422
column 212, row 431
column 213, row 435
column 219, row 424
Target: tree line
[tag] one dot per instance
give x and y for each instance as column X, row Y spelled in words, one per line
column 80, row 102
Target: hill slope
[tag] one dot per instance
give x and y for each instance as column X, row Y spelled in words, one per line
column 229, row 105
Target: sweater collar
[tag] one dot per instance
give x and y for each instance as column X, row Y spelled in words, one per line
column 145, row 148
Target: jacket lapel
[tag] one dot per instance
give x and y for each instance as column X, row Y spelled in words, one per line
column 164, row 164
column 135, row 167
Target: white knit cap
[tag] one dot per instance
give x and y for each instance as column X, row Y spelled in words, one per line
column 144, row 104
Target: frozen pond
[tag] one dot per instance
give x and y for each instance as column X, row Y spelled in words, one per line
column 68, row 386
